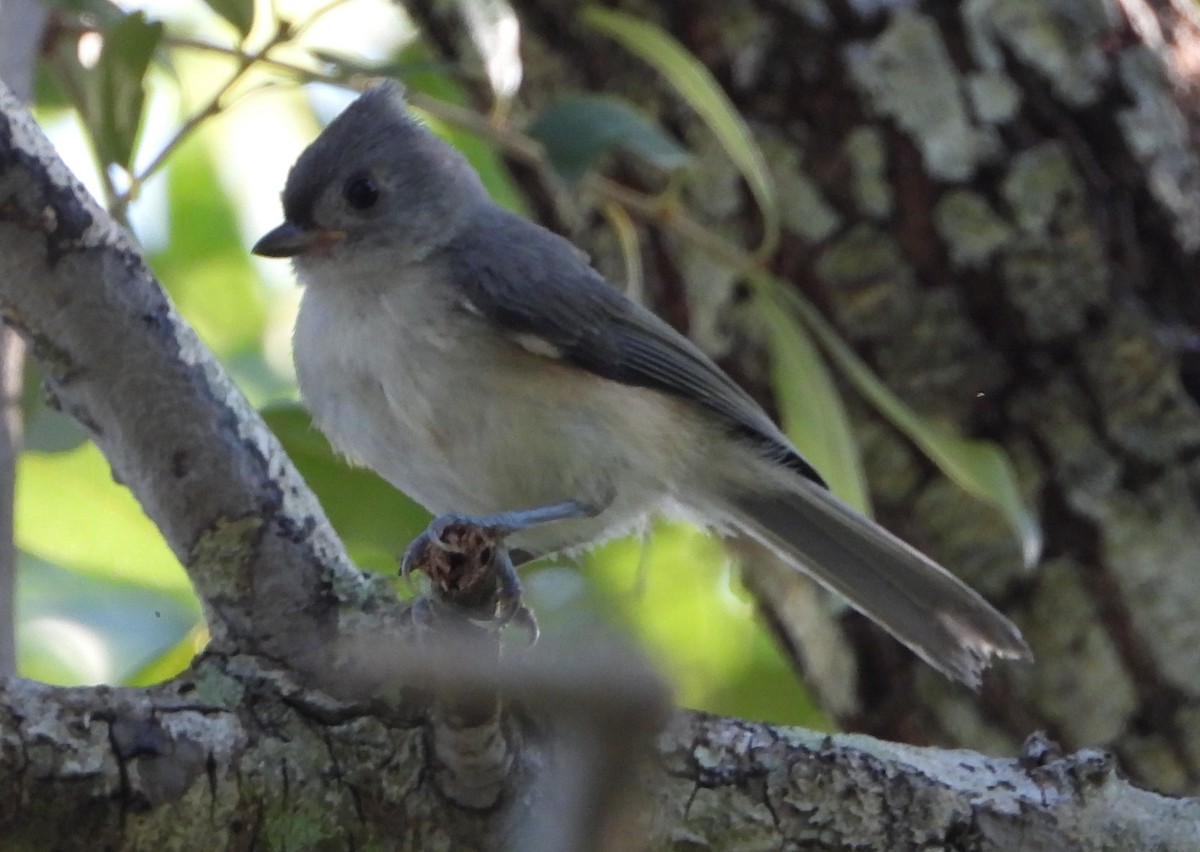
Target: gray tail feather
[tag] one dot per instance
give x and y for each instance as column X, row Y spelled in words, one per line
column 939, row 617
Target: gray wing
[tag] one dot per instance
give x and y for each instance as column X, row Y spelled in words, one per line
column 530, row 282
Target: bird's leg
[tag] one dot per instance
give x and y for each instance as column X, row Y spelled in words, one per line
column 484, row 536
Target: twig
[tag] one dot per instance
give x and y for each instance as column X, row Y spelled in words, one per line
column 284, row 32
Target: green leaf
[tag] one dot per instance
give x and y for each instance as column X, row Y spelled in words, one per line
column 979, row 467
column 69, row 512
column 204, row 263
column 113, row 92
column 48, row 95
column 631, row 249
column 374, row 520
column 240, row 13
column 172, row 661
column 702, row 92
column 810, row 406
column 85, row 629
column 676, row 591
column 577, row 131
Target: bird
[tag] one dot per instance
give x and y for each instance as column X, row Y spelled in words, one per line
column 480, row 364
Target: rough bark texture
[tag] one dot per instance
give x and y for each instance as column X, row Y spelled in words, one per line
column 998, row 204
column 239, row 756
column 272, row 741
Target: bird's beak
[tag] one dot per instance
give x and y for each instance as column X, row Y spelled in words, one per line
column 289, row 240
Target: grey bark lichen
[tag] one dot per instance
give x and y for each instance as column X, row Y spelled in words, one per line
column 907, row 75
column 1059, row 40
column 972, row 231
column 866, row 150
column 1054, row 267
column 802, row 208
column 1079, row 658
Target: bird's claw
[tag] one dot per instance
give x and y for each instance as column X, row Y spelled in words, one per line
column 523, row 619
column 412, row 557
column 506, row 606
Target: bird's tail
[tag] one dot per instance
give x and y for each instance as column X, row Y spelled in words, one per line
column 939, row 617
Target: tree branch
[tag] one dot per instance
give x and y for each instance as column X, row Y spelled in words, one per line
column 252, row 758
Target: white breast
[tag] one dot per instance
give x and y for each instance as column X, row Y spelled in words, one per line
column 358, row 363
column 482, row 425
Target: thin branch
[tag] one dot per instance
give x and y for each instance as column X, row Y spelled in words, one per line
column 213, row 107
column 283, row 33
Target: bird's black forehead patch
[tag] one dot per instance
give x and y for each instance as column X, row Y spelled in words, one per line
column 353, row 142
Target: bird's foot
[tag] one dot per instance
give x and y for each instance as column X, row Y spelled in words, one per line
column 467, row 561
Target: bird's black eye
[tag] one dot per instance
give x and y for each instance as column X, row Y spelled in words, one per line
column 361, row 192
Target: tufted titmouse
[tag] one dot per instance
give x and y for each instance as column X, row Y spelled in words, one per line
column 478, row 363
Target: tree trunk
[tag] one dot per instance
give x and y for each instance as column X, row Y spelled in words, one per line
column 998, row 204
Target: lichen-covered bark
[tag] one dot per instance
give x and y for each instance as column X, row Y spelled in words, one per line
column 998, row 203
column 231, row 757
column 240, row 756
